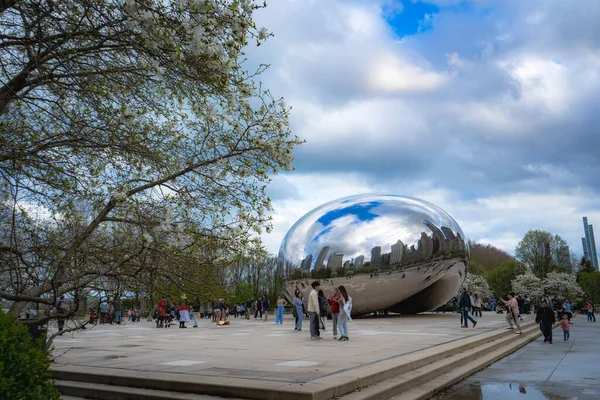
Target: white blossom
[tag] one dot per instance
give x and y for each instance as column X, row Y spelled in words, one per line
column 477, row 285
column 528, row 285
column 120, row 196
column 263, row 34
column 562, row 286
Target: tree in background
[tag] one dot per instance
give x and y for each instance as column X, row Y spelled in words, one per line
column 585, row 266
column 475, row 268
column 476, row 284
column 562, row 286
column 590, row 284
column 543, row 253
column 501, row 277
column 487, row 256
column 528, row 285
column 134, row 142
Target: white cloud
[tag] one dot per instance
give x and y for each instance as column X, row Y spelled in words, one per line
column 391, row 74
column 490, row 115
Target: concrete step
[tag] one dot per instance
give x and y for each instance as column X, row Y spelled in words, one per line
column 437, row 385
column 417, row 378
column 335, row 385
column 97, row 391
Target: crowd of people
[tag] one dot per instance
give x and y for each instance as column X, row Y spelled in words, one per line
column 339, row 305
column 547, row 311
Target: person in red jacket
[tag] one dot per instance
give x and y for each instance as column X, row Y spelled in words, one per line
column 335, row 310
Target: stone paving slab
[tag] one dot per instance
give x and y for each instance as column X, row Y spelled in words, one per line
column 539, row 371
column 259, row 351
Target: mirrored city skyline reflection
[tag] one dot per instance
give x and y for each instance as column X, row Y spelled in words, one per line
column 371, row 231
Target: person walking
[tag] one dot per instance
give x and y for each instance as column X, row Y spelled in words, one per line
column 567, row 309
column 545, row 317
column 477, row 305
column 334, row 306
column 589, row 306
column 298, row 310
column 345, row 303
column 259, row 309
column 465, row 305
column 313, row 310
column 281, row 303
column 265, row 306
column 512, row 312
column 118, row 311
column 565, row 326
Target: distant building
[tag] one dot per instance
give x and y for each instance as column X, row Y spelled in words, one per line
column 376, row 256
column 307, row 262
column 335, row 261
column 397, row 253
column 359, row 261
column 321, row 257
column 589, row 243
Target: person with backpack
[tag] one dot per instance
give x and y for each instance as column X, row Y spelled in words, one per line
column 323, row 309
column 62, row 310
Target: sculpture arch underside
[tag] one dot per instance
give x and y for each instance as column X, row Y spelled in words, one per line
column 419, row 288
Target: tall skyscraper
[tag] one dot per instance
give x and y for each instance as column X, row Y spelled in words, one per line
column 335, row 261
column 397, row 253
column 589, row 243
column 321, row 257
column 376, row 256
column 359, row 261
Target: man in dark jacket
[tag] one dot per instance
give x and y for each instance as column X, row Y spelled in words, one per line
column 465, row 305
column 545, row 317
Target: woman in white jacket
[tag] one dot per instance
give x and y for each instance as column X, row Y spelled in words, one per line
column 345, row 302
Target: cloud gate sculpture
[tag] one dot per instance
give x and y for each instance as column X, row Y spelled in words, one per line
column 391, row 252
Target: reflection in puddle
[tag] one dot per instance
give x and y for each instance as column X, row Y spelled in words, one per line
column 503, row 391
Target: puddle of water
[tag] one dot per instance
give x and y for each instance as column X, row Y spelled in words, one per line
column 499, row 391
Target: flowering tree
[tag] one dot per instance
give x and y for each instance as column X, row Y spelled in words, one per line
column 562, row 286
column 133, row 142
column 477, row 285
column 528, row 285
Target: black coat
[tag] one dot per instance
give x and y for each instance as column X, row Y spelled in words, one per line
column 545, row 315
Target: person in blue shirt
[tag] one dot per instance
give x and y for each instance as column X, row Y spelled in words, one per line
column 567, row 309
column 492, row 304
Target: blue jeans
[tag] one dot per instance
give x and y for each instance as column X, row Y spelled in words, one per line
column 343, row 325
column 279, row 315
column 465, row 316
column 300, row 315
column 314, row 324
column 546, row 331
column 566, row 335
column 117, row 317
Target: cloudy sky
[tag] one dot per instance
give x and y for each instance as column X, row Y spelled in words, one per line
column 487, row 108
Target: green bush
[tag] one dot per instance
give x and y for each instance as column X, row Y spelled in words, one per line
column 24, row 373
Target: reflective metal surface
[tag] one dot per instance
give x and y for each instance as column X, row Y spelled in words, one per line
column 391, row 253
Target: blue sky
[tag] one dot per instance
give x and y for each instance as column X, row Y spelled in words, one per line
column 486, row 108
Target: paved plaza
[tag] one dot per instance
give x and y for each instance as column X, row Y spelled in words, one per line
column 257, row 350
column 540, row 371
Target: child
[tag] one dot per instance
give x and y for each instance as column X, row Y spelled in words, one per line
column 564, row 324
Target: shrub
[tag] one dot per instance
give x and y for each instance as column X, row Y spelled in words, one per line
column 24, row 366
